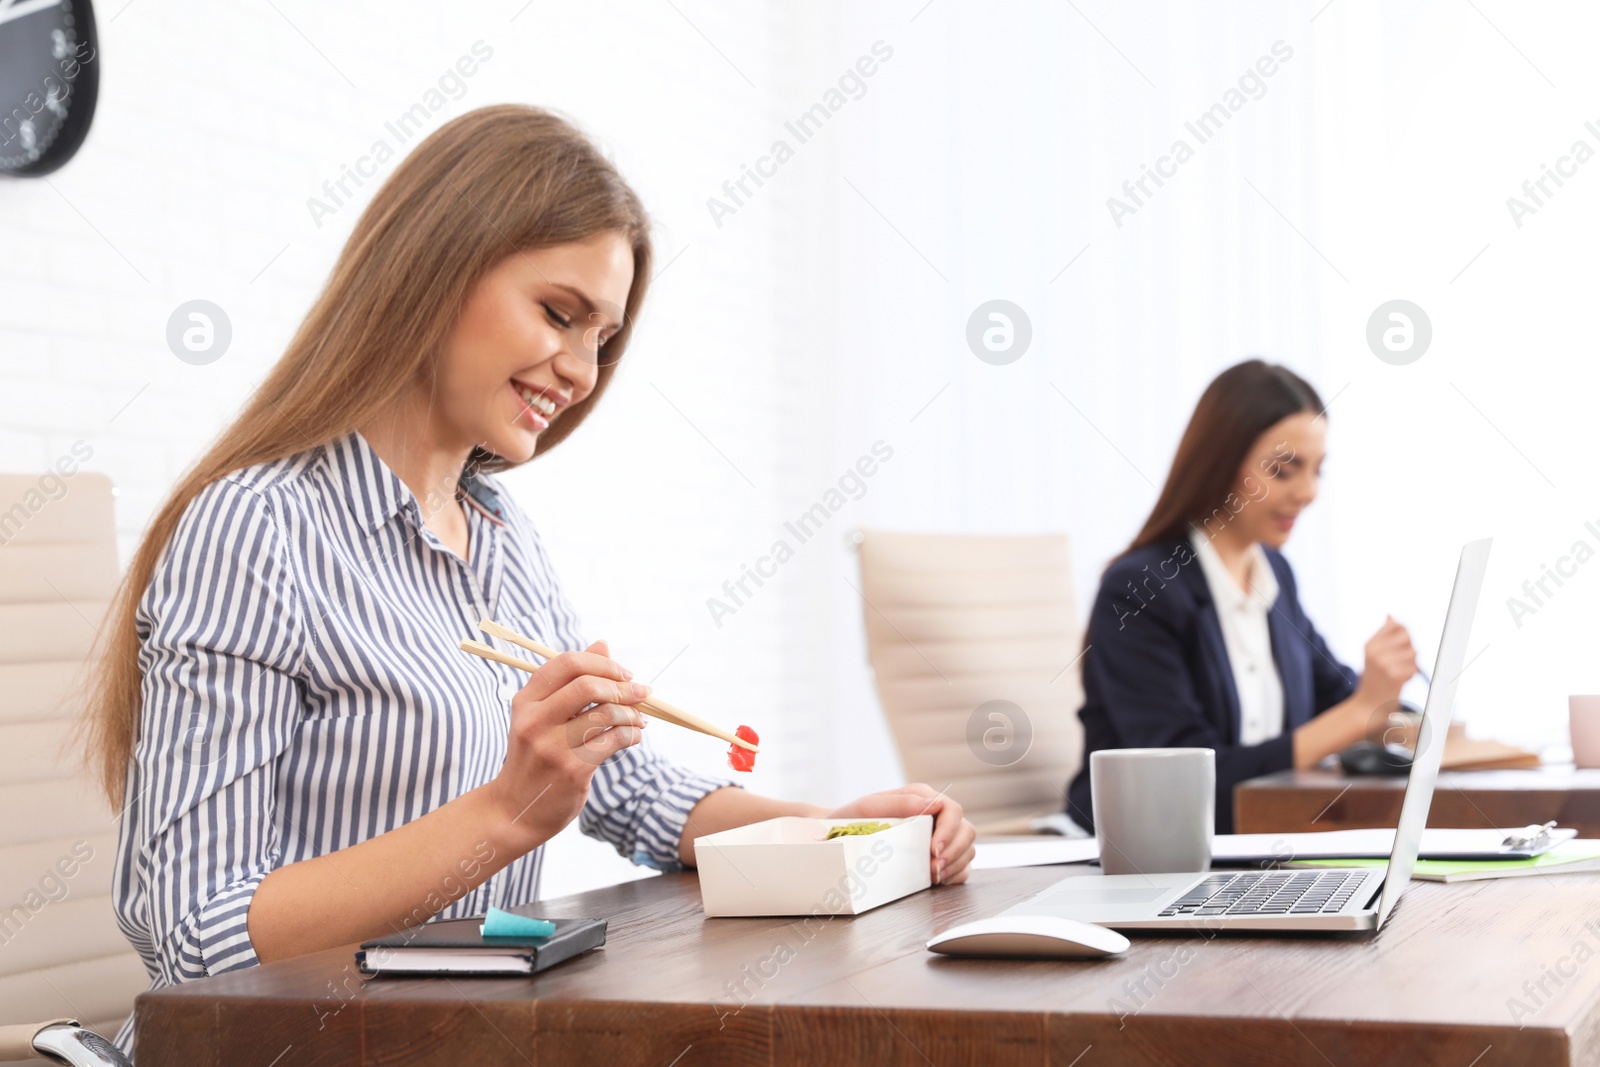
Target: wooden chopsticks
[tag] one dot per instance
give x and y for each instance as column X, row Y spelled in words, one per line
column 653, row 706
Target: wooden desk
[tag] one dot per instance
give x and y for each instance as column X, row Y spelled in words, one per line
column 673, row 988
column 1293, row 801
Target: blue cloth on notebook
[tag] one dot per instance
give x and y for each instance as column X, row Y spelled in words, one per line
column 500, row 923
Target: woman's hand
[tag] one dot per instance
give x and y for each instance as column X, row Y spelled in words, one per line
column 574, row 713
column 1391, row 661
column 951, row 852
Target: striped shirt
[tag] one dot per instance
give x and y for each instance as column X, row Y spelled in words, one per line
column 303, row 692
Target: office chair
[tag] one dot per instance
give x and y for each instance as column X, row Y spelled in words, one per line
column 61, row 953
column 973, row 643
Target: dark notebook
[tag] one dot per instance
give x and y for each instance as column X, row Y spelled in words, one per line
column 454, row 946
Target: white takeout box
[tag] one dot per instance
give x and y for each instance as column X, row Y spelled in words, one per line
column 784, row 867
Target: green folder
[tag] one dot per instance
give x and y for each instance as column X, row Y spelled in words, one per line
column 1570, row 858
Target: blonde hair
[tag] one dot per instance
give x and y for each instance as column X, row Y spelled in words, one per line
column 491, row 183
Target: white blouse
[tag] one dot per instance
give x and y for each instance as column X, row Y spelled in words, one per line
column 1243, row 614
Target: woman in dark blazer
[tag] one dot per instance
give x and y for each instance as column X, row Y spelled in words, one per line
column 1197, row 637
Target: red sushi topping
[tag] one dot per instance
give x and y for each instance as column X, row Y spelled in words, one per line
column 739, row 757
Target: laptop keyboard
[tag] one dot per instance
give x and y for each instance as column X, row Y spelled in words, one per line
column 1268, row 893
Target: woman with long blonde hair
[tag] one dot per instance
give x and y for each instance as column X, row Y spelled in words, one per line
column 302, row 757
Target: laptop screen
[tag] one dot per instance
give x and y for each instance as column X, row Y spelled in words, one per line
column 1435, row 722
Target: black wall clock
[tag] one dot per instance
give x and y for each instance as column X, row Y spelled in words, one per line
column 49, row 77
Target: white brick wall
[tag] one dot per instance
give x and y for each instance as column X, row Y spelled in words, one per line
column 215, row 125
column 803, row 328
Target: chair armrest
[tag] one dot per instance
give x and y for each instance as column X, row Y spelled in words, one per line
column 61, row 1040
column 16, row 1041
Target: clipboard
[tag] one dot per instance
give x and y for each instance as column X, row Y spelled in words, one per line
column 1437, row 844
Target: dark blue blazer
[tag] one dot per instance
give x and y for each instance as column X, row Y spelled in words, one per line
column 1157, row 674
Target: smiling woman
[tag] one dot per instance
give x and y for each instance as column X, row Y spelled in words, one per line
column 526, row 351
column 303, row 758
column 493, row 185
column 1197, row 638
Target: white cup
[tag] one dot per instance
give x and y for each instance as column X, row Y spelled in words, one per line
column 1584, row 715
column 1154, row 808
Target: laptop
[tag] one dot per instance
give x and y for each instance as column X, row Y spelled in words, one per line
column 1325, row 899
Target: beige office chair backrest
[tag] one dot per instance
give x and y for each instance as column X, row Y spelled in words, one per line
column 973, row 642
column 61, row 953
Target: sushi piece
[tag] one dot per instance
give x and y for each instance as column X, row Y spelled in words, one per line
column 739, row 757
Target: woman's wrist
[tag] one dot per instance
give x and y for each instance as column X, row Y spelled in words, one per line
column 1375, row 696
column 1333, row 731
column 510, row 832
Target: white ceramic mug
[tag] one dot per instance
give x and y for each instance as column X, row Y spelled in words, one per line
column 1584, row 715
column 1154, row 808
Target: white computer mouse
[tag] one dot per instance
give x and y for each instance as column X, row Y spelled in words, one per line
column 1030, row 937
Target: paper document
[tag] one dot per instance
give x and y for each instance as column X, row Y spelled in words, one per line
column 1034, row 852
column 1276, row 848
column 1437, row 843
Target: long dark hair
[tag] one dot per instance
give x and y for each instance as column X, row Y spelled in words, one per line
column 1239, row 405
